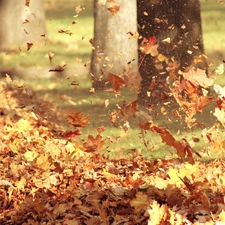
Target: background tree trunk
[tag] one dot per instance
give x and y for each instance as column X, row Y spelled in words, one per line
column 114, row 41
column 178, row 20
column 19, row 23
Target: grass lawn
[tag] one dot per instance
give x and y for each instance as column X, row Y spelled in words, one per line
column 75, row 50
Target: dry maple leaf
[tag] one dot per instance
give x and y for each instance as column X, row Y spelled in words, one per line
column 117, row 82
column 93, row 144
column 78, row 119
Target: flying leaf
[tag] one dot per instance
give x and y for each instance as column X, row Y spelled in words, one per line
column 65, row 32
column 198, row 77
column 78, row 9
column 58, row 68
column 71, row 134
column 117, row 82
column 165, row 135
column 149, row 46
column 129, row 110
column 220, row 115
column 78, row 119
column 29, row 45
column 27, row 3
column 114, row 9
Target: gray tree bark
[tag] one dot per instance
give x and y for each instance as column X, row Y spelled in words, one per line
column 115, row 45
column 178, row 20
column 21, row 24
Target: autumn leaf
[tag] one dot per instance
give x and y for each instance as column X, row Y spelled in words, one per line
column 71, row 134
column 29, row 45
column 93, row 144
column 78, row 119
column 78, row 9
column 139, row 202
column 50, row 56
column 30, row 155
column 58, row 68
column 158, row 214
column 129, row 110
column 114, row 9
column 165, row 135
column 149, row 46
column 65, row 32
column 117, row 82
column 220, row 115
column 27, row 3
column 198, row 77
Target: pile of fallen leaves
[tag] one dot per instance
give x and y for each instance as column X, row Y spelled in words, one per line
column 48, row 178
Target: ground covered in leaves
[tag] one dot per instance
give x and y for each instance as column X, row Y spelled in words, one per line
column 47, row 177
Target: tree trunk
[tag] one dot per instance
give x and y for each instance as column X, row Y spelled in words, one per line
column 115, row 45
column 178, row 20
column 21, row 24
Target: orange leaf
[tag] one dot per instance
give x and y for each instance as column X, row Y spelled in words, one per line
column 165, row 135
column 114, row 9
column 116, row 81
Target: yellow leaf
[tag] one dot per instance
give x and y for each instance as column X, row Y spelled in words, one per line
column 174, row 177
column 188, row 170
column 222, row 216
column 162, row 58
column 139, row 202
column 158, row 215
column 30, row 155
column 20, row 184
column 23, row 125
column 52, row 148
column 43, row 161
column 220, row 115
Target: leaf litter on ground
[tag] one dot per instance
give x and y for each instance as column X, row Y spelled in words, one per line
column 51, row 178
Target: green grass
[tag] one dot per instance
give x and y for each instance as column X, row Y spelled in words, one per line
column 67, row 48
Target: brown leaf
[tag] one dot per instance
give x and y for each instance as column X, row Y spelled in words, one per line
column 129, row 110
column 65, row 32
column 116, row 81
column 58, row 69
column 29, row 45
